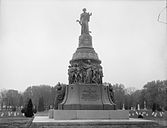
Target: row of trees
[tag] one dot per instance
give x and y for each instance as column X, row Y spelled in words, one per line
column 154, row 94
column 42, row 96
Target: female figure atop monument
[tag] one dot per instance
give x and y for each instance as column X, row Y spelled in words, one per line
column 84, row 19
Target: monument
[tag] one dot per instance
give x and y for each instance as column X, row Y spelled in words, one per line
column 86, row 90
column 86, row 101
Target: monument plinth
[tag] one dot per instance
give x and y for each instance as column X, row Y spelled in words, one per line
column 86, row 90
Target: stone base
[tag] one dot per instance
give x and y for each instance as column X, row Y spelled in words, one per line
column 88, row 114
column 45, row 122
column 87, row 97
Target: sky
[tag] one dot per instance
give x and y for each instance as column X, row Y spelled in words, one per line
column 39, row 37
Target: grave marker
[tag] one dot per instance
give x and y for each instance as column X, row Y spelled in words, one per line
column 2, row 114
column 152, row 113
column 9, row 113
column 155, row 115
column 14, row 113
column 138, row 107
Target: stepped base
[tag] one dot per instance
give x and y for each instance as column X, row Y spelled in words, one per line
column 88, row 114
column 45, row 122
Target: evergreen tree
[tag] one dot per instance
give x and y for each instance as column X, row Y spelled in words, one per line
column 29, row 109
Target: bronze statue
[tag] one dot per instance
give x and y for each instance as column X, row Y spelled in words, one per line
column 60, row 93
column 84, row 19
column 111, row 92
column 85, row 72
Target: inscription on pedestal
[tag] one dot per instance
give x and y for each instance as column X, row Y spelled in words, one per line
column 89, row 94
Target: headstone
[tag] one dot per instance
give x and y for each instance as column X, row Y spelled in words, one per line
column 9, row 114
column 123, row 107
column 14, row 113
column 145, row 108
column 155, row 115
column 138, row 107
column 2, row 114
column 152, row 113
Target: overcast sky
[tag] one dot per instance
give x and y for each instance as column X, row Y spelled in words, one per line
column 39, row 37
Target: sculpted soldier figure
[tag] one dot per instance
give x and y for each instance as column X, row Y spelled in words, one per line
column 60, row 93
column 100, row 74
column 89, row 75
column 111, row 92
column 84, row 19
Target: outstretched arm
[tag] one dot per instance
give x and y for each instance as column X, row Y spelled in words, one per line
column 78, row 21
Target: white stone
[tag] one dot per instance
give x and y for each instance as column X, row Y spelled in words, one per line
column 96, row 114
column 2, row 114
column 14, row 113
column 152, row 113
column 123, row 107
column 46, row 119
column 138, row 107
column 155, row 115
column 90, row 114
column 9, row 114
column 65, row 114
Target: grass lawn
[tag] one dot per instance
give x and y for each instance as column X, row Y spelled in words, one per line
column 160, row 117
column 23, row 122
column 15, row 122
